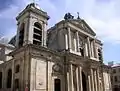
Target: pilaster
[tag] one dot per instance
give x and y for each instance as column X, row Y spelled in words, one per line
column 89, row 83
column 78, row 50
column 71, row 77
column 95, row 80
column 94, row 47
column 89, row 49
column 77, row 78
column 80, row 72
column 69, row 38
column 92, row 80
column 98, row 83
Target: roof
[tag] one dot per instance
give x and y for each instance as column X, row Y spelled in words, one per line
column 7, row 46
column 78, row 23
column 34, row 8
column 116, row 65
column 12, row 41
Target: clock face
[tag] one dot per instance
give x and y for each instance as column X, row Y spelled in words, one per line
column 56, row 67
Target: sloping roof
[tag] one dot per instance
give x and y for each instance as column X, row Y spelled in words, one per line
column 83, row 25
column 12, row 41
column 78, row 23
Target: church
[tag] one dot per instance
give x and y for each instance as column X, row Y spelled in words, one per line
column 65, row 57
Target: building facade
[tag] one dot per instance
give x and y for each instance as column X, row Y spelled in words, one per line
column 115, row 77
column 66, row 57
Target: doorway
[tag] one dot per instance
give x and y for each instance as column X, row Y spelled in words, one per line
column 57, row 85
column 84, row 84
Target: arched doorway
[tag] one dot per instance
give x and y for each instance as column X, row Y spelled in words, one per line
column 57, row 85
column 84, row 83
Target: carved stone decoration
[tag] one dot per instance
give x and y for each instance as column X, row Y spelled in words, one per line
column 68, row 16
column 57, row 68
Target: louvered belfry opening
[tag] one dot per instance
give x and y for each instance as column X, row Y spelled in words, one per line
column 37, row 36
column 21, row 35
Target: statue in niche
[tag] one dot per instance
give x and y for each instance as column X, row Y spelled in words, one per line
column 68, row 16
column 81, row 46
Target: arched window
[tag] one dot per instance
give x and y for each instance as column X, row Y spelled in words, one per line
column 17, row 69
column 21, row 35
column 37, row 36
column 9, row 78
column 0, row 80
column 37, row 25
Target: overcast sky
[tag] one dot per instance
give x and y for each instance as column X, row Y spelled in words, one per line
column 103, row 16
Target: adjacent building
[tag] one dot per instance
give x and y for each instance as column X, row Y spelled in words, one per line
column 66, row 57
column 115, row 77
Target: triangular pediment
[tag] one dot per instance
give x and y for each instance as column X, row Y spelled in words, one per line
column 83, row 25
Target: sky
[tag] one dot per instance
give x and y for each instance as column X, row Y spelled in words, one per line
column 103, row 16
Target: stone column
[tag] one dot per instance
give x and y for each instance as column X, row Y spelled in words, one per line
column 103, row 85
column 25, row 40
column 89, row 49
column 44, row 33
column 66, row 41
column 30, row 29
column 13, row 67
column 68, row 82
column 69, row 38
column 94, row 47
column 86, row 49
column 17, row 36
column 78, row 42
column 71, row 78
column 77, row 78
column 98, row 83
column 89, row 83
column 80, row 72
column 92, row 80
column 95, row 80
column 109, row 79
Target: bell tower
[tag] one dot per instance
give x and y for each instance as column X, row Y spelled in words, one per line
column 32, row 23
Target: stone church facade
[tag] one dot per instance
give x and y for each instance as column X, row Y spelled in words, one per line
column 66, row 57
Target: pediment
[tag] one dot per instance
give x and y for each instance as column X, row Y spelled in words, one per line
column 83, row 26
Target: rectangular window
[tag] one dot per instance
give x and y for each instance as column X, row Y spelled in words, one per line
column 100, row 54
column 119, row 69
column 114, row 70
column 115, row 78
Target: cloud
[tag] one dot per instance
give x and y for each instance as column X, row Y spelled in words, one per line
column 102, row 15
column 5, row 4
column 8, row 24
